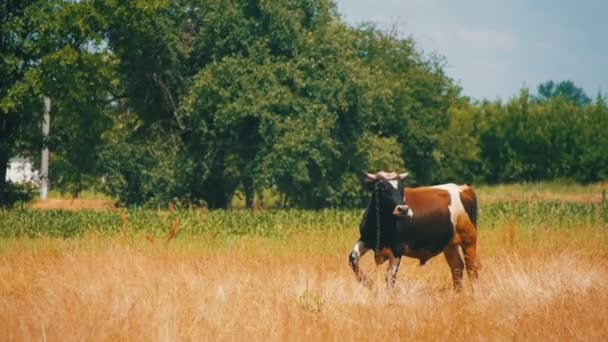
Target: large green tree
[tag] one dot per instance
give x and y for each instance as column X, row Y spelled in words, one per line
column 16, row 81
column 258, row 94
column 411, row 98
column 50, row 48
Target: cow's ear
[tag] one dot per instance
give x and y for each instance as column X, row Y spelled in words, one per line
column 368, row 180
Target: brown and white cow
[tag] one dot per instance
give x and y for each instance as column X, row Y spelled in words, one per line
column 418, row 223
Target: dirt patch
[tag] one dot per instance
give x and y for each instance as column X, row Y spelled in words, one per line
column 73, row 204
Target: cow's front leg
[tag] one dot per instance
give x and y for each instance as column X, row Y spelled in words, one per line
column 391, row 271
column 353, row 259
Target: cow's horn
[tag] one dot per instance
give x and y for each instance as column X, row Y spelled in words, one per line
column 403, row 175
column 370, row 176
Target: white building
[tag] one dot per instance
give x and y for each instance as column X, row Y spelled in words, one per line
column 21, row 170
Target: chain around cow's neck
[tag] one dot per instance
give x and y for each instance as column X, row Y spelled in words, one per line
column 376, row 186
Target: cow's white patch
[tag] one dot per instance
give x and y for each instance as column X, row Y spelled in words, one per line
column 394, row 183
column 456, row 208
column 359, row 249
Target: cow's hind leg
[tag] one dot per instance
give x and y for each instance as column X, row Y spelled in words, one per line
column 468, row 236
column 470, row 259
column 456, row 265
column 353, row 259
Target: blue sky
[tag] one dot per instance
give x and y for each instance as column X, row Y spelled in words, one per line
column 493, row 48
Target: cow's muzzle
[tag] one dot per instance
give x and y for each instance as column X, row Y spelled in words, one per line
column 402, row 211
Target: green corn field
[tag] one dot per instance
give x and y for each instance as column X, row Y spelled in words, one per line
column 538, row 215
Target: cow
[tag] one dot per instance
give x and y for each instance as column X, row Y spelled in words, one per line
column 418, row 223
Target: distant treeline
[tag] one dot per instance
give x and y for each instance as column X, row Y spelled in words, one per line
column 190, row 101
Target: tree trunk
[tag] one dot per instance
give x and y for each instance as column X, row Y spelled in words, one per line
column 75, row 194
column 249, row 193
column 218, row 192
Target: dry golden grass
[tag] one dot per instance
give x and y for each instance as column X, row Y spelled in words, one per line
column 122, row 288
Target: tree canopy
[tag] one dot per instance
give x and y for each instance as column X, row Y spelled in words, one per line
column 191, row 101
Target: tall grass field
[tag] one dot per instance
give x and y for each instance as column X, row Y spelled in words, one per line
column 149, row 275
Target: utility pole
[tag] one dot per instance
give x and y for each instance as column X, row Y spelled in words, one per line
column 44, row 163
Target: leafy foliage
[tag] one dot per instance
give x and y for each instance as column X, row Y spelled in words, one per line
column 528, row 140
column 53, row 48
column 19, row 194
column 272, row 94
column 192, row 101
column 565, row 89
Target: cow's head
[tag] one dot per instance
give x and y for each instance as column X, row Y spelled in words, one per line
column 388, row 187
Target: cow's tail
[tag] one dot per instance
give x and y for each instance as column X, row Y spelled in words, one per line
column 469, row 201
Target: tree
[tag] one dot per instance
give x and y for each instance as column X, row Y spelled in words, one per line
column 264, row 94
column 48, row 50
column 16, row 80
column 458, row 155
column 162, row 46
column 411, row 98
column 527, row 140
column 592, row 141
column 566, row 89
